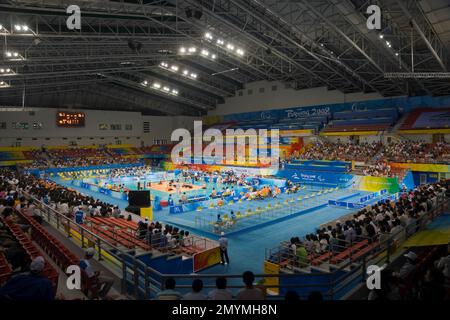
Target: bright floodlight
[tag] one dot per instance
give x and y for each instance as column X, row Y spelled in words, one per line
column 230, row 47
column 220, row 42
column 185, row 72
column 182, row 50
column 156, row 85
column 396, row 54
column 174, row 68
column 8, row 54
column 25, row 28
column 388, row 43
column 145, row 82
column 2, row 70
column 240, row 52
column 192, row 49
column 175, row 91
column 8, row 70
column 208, row 35
column 193, row 75
column 1, row 27
column 17, row 27
column 213, row 56
column 166, row 89
column 15, row 54
column 205, row 52
column 381, row 36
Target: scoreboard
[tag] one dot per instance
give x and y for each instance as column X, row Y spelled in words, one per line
column 70, row 119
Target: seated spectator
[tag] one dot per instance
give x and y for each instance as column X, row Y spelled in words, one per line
column 30, row 285
column 105, row 283
column 220, row 292
column 195, row 294
column 432, row 288
column 169, row 292
column 389, row 289
column 249, row 292
column 408, row 267
column 443, row 264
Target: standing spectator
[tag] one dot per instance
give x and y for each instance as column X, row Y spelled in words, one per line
column 29, row 286
column 223, row 243
column 249, row 292
column 195, row 294
column 221, row 292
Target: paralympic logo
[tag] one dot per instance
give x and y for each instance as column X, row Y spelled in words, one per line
column 250, row 147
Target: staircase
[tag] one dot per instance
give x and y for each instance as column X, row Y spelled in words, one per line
column 399, row 123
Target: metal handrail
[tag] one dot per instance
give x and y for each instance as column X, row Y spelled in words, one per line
column 141, row 273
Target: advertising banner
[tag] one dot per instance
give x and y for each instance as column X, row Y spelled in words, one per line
column 206, row 259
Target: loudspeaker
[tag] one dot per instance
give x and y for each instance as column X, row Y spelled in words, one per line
column 139, row 198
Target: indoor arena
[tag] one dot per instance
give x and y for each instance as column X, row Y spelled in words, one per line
column 225, row 150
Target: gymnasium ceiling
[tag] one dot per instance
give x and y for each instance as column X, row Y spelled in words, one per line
column 307, row 43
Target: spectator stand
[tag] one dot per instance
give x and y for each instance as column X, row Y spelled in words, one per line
column 343, row 268
column 120, row 255
column 32, row 251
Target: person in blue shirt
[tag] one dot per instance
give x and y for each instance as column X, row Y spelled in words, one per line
column 29, row 286
column 79, row 216
column 46, row 199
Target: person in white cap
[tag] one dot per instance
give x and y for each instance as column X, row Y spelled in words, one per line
column 223, row 244
column 105, row 283
column 409, row 267
column 29, row 285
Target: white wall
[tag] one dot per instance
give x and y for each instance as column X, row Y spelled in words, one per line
column 52, row 135
column 161, row 128
column 284, row 97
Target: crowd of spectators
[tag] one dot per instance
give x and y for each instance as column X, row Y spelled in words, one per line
column 75, row 157
column 324, row 150
column 425, row 279
column 405, row 151
column 251, row 291
column 416, row 152
column 379, row 222
column 380, row 169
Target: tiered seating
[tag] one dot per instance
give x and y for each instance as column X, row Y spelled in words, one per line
column 368, row 120
column 32, row 251
column 427, row 118
column 12, row 155
column 118, row 232
column 411, row 119
column 313, row 123
column 52, row 246
column 5, row 269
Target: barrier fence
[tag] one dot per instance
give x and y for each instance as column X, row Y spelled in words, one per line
column 140, row 281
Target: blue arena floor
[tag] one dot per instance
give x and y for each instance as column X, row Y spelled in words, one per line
column 247, row 249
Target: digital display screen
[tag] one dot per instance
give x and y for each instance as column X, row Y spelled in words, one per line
column 70, row 119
